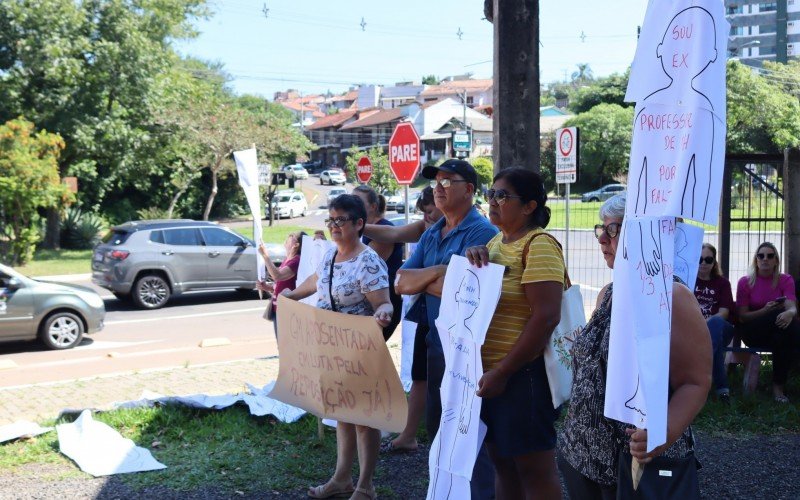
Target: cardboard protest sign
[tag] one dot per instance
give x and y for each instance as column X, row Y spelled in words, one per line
column 337, row 366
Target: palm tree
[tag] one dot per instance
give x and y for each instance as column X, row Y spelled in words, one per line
column 583, row 74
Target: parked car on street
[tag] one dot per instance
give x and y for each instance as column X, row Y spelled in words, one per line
column 296, row 172
column 335, row 192
column 57, row 314
column 412, row 203
column 401, row 220
column 332, row 177
column 288, row 204
column 312, row 166
column 603, row 193
column 151, row 261
column 392, row 200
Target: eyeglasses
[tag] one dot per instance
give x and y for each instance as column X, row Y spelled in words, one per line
column 500, row 195
column 707, row 260
column 768, row 256
column 445, row 183
column 611, row 230
column 337, row 221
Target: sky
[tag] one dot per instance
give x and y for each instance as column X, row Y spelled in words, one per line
column 317, row 46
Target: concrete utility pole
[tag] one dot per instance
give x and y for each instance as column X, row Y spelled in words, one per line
column 516, row 82
column 791, row 211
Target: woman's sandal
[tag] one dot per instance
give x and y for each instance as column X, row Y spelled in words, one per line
column 781, row 399
column 363, row 491
column 329, row 490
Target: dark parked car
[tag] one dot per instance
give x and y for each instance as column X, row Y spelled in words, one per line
column 150, row 261
column 57, row 314
column 603, row 193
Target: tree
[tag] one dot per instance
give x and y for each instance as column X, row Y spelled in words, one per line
column 382, row 177
column 29, row 182
column 430, row 80
column 583, row 74
column 605, row 143
column 484, row 167
column 610, row 90
column 763, row 114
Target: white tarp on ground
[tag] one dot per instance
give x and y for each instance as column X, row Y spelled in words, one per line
column 21, row 429
column 100, row 450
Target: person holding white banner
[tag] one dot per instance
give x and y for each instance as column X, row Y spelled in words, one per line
column 285, row 276
column 517, row 404
column 590, row 444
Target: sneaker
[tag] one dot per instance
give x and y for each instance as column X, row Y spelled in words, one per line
column 725, row 398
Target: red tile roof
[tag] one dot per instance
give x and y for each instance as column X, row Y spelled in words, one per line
column 382, row 116
column 349, row 96
column 333, row 120
column 447, row 88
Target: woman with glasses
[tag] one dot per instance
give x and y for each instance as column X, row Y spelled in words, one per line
column 767, row 311
column 285, row 276
column 517, row 405
column 713, row 293
column 391, row 253
column 590, row 444
column 351, row 279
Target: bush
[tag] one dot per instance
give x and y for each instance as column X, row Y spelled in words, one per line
column 153, row 213
column 81, row 231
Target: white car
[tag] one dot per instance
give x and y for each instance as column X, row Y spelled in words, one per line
column 289, row 204
column 392, row 200
column 335, row 193
column 412, row 203
column 296, row 172
column 332, row 177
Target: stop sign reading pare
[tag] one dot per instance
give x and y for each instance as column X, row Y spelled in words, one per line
column 404, row 153
column 364, row 170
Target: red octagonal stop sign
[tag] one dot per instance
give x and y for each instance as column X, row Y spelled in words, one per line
column 364, row 170
column 404, row 153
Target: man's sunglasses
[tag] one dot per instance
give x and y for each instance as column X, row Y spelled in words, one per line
column 611, row 230
column 500, row 195
column 707, row 260
column 768, row 256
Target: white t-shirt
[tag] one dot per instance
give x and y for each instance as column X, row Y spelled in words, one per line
column 352, row 280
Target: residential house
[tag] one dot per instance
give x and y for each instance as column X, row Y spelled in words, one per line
column 478, row 92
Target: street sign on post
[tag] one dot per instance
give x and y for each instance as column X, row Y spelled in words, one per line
column 567, row 163
column 264, row 174
column 462, row 141
column 364, row 170
column 404, row 153
column 567, row 159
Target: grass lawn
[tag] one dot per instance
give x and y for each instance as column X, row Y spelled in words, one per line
column 57, row 262
column 274, row 234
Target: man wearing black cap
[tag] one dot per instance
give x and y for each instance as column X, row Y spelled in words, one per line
column 454, row 183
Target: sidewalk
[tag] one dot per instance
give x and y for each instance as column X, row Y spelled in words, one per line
column 41, row 402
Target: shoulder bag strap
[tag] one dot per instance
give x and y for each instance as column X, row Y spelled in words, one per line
column 567, row 282
column 330, row 283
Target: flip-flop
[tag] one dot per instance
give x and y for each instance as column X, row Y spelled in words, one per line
column 781, row 399
column 328, row 491
column 389, row 447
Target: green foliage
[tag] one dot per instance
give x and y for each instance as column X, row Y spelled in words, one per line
column 763, row 114
column 610, row 90
column 582, row 74
column 430, row 80
column 29, row 182
column 382, row 176
column 484, row 167
column 154, row 213
column 81, row 230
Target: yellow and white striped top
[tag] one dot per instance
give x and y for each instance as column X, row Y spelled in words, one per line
column 545, row 263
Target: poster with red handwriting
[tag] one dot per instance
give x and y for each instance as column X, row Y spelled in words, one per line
column 641, row 320
column 337, row 366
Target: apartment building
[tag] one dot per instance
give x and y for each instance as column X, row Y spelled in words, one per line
column 763, row 30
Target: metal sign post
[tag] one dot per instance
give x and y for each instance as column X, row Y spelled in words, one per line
column 567, row 160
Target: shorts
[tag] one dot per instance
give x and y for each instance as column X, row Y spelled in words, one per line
column 419, row 363
column 522, row 419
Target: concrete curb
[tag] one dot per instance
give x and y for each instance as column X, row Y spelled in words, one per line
column 65, row 277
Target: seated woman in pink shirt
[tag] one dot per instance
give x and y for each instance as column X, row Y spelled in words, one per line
column 767, row 308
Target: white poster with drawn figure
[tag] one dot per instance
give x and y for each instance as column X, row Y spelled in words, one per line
column 409, row 331
column 681, row 56
column 688, row 247
column 444, row 485
column 469, row 298
column 676, row 163
column 247, row 168
column 641, row 320
column 310, row 257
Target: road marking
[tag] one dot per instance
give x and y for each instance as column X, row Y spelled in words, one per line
column 183, row 316
column 107, row 344
column 64, row 277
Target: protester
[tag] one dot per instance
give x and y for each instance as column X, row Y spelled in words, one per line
column 454, row 183
column 589, row 443
column 392, row 254
column 767, row 312
column 517, row 404
column 351, row 279
column 285, row 276
column 411, row 233
column 713, row 293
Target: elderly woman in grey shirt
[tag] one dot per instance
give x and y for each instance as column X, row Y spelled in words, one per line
column 351, row 279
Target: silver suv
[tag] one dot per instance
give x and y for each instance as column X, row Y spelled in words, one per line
column 150, row 261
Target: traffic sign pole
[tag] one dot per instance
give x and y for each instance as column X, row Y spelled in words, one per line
column 567, row 161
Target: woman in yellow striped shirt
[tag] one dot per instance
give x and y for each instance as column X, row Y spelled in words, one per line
column 517, row 406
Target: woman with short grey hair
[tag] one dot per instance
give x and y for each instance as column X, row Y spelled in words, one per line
column 614, row 207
